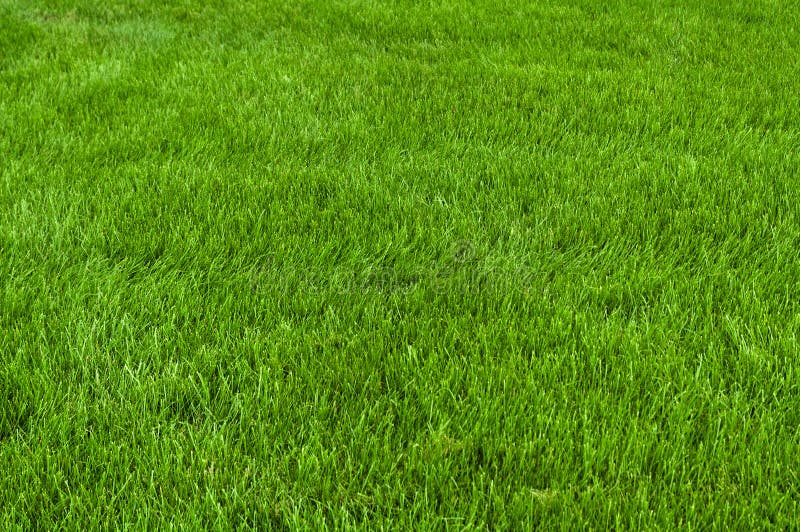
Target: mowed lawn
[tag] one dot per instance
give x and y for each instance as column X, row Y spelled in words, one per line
column 394, row 264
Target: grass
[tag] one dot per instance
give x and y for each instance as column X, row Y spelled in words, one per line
column 396, row 264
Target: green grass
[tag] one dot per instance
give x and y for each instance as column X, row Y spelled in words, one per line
column 394, row 264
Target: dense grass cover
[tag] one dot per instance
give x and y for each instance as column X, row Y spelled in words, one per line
column 393, row 264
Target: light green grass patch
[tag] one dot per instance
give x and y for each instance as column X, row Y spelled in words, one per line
column 393, row 264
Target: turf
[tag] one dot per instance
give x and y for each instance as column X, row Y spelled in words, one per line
column 393, row 264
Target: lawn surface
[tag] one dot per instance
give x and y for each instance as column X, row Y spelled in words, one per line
column 483, row 264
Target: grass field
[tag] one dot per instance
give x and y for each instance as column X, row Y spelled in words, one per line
column 393, row 264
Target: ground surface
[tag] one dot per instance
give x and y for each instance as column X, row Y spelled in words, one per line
column 455, row 264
